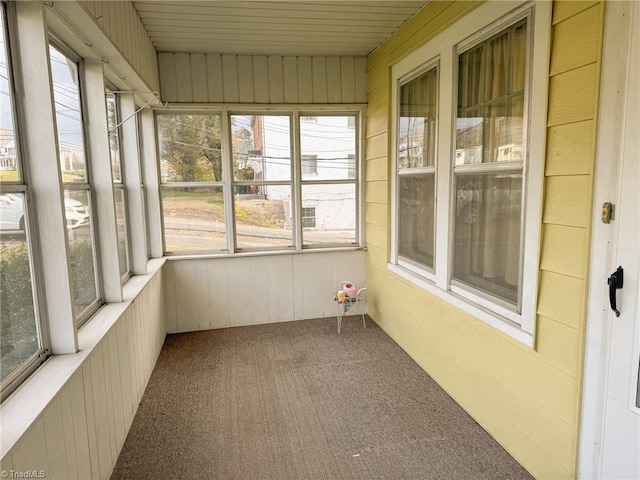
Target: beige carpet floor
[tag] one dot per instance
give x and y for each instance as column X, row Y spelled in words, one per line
column 298, row 401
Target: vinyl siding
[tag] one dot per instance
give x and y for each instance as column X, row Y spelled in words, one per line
column 121, row 23
column 528, row 399
column 262, row 79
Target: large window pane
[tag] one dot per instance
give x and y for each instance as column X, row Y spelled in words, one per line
column 66, row 96
column 189, row 148
column 487, row 233
column 114, row 137
column 264, row 220
column 9, row 171
column 121, row 230
column 193, row 219
column 489, row 123
column 328, row 147
column 261, row 147
column 18, row 327
column 417, row 121
column 81, row 248
column 331, row 208
column 416, row 218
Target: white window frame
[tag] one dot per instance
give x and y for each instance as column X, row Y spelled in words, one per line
column 120, row 185
column 444, row 48
column 88, row 185
column 296, row 113
column 21, row 187
column 410, row 265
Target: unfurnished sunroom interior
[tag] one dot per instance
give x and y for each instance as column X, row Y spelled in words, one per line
column 170, row 167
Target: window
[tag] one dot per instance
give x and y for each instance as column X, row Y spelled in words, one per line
column 262, row 181
column 192, row 188
column 482, row 164
column 20, row 337
column 309, row 165
column 75, row 177
column 258, row 196
column 416, row 168
column 119, row 192
column 332, row 190
column 488, row 198
column 308, row 217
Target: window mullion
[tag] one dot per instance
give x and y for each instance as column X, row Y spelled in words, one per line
column 227, row 176
column 133, row 181
column 151, row 182
column 100, row 163
column 444, row 161
column 297, row 180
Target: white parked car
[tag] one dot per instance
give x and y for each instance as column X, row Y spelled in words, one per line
column 12, row 213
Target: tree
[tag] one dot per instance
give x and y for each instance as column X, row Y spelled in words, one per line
column 190, row 147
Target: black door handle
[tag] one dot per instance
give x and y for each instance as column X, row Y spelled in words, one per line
column 615, row 282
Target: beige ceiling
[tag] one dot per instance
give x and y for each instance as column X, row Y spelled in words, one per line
column 305, row 27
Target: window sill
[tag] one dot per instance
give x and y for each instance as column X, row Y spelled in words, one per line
column 23, row 407
column 262, row 253
column 493, row 319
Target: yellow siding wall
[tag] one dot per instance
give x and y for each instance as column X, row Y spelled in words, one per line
column 528, row 399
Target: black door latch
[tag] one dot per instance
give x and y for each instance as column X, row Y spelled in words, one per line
column 615, row 282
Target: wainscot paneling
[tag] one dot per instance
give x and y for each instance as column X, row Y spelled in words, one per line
column 209, row 293
column 86, row 401
column 208, row 78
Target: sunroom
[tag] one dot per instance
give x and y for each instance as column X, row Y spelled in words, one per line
column 211, row 166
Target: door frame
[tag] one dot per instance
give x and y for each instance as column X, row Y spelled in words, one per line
column 613, row 97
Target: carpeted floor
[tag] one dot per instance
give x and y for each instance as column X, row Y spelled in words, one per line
column 298, row 401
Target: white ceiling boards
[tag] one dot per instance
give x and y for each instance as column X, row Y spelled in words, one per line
column 273, row 28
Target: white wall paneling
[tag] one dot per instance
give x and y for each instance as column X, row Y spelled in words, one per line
column 211, row 293
column 209, row 78
column 121, row 23
column 87, row 401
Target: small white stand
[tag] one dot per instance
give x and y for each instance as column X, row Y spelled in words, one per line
column 350, row 303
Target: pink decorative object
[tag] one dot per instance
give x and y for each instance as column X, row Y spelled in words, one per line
column 350, row 289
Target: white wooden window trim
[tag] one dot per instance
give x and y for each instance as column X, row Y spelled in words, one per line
column 151, row 178
column 444, row 47
column 132, row 175
column 228, row 182
column 45, row 182
column 99, row 162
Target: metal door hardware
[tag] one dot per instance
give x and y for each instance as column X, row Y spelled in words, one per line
column 615, row 282
column 608, row 210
